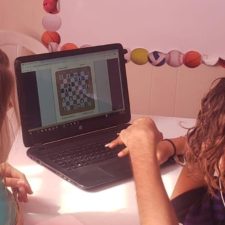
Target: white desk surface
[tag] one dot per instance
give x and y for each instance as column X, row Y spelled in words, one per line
column 54, row 196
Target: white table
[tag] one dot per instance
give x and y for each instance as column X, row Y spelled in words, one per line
column 54, row 196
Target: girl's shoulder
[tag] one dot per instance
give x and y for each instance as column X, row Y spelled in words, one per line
column 197, row 206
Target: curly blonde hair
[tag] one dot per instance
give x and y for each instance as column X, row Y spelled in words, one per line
column 207, row 138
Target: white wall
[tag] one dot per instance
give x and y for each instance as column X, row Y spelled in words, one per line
column 22, row 15
column 156, row 25
column 169, row 91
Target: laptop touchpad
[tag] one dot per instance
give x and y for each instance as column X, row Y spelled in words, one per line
column 117, row 167
column 91, row 176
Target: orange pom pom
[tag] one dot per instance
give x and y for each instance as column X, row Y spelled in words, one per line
column 192, row 59
column 50, row 36
column 68, row 46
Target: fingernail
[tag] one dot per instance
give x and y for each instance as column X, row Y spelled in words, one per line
column 109, row 145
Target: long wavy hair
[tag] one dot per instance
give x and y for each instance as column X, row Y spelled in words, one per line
column 206, row 139
column 6, row 91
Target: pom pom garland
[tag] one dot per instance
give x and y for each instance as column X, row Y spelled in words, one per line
column 51, row 22
column 174, row 58
column 210, row 60
column 68, row 46
column 157, row 58
column 51, row 6
column 49, row 36
column 192, row 59
column 139, row 56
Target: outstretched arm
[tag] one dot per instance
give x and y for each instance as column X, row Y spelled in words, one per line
column 141, row 140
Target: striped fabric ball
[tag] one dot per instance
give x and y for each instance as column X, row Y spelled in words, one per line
column 175, row 58
column 157, row 58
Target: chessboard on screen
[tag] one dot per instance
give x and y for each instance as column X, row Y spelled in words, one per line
column 75, row 90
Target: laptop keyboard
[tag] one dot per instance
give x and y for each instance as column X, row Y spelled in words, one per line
column 83, row 152
column 82, row 156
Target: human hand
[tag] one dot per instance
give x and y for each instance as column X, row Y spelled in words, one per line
column 142, row 134
column 163, row 150
column 16, row 181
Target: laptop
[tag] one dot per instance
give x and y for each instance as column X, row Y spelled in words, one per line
column 71, row 104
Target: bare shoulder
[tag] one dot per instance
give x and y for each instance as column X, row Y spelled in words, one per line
column 188, row 180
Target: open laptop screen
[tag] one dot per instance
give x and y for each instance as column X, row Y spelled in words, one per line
column 63, row 94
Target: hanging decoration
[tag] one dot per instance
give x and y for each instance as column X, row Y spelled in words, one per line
column 210, row 60
column 140, row 56
column 68, row 46
column 174, row 58
column 51, row 6
column 50, row 37
column 157, row 58
column 192, row 59
column 51, row 23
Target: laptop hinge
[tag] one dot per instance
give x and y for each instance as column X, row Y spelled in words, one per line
column 38, row 145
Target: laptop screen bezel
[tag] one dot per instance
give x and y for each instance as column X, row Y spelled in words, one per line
column 77, row 127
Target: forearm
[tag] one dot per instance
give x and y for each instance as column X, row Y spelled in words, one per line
column 181, row 144
column 153, row 202
column 166, row 149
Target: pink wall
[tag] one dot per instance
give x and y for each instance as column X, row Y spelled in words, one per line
column 22, row 15
column 153, row 24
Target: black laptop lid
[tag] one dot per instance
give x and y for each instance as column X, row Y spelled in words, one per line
column 68, row 93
